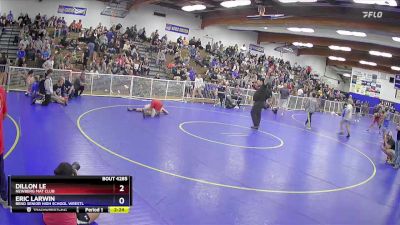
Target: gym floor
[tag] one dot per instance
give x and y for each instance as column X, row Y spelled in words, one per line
column 204, row 165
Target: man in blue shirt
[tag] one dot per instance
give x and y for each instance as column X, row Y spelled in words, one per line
column 10, row 17
column 46, row 54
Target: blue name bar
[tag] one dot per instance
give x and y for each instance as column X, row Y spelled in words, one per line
column 177, row 29
column 72, row 10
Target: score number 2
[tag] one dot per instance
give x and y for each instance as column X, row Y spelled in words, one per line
column 121, row 200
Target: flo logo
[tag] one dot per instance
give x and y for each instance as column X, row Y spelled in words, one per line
column 373, row 14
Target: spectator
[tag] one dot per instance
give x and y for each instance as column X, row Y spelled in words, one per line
column 10, row 18
column 72, row 26
column 237, row 95
column 21, row 54
column 208, row 47
column 59, row 92
column 388, row 148
column 198, row 86
column 49, row 64
column 79, row 85
column 78, row 26
column 37, row 98
column 48, row 88
column 29, row 82
column 4, row 61
column 284, row 96
column 300, row 92
column 221, row 92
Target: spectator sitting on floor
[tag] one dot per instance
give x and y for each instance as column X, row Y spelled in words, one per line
column 29, row 82
column 37, row 97
column 229, row 103
column 79, row 84
column 59, row 92
column 237, row 95
column 68, row 89
column 388, row 148
column 46, row 87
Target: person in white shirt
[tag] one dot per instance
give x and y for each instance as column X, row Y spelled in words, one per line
column 243, row 49
column 38, row 44
column 346, row 117
column 23, row 44
column 198, row 86
column 49, row 64
column 48, row 86
column 300, row 92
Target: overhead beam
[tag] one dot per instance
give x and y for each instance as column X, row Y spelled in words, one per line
column 138, row 3
column 352, row 56
column 358, row 65
column 303, row 21
column 321, row 41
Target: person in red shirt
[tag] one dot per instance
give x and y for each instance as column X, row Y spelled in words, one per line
column 3, row 114
column 155, row 108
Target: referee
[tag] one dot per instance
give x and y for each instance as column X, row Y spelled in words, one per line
column 260, row 96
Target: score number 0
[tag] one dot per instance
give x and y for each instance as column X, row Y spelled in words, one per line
column 121, row 200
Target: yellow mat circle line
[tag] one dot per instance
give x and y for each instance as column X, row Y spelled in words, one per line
column 16, row 140
column 78, row 123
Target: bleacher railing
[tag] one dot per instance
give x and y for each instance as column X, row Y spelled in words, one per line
column 130, row 86
column 335, row 107
column 297, row 103
column 147, row 88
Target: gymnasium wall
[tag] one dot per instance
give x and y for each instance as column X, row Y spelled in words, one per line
column 143, row 18
column 362, row 81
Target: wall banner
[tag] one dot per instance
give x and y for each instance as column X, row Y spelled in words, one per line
column 365, row 82
column 72, row 10
column 256, row 48
column 177, row 29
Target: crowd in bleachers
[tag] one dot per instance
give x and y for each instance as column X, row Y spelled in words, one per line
column 51, row 43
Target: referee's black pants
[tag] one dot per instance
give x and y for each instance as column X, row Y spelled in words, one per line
column 308, row 121
column 256, row 112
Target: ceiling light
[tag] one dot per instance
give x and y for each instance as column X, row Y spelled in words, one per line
column 396, row 39
column 190, row 8
column 300, row 44
column 383, row 54
column 368, row 63
column 395, row 68
column 346, row 75
column 265, row 28
column 351, row 33
column 337, row 58
column 297, row 1
column 235, row 3
column 298, row 29
column 378, row 2
column 340, row 48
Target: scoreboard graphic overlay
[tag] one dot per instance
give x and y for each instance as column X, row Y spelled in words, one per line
column 80, row 194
